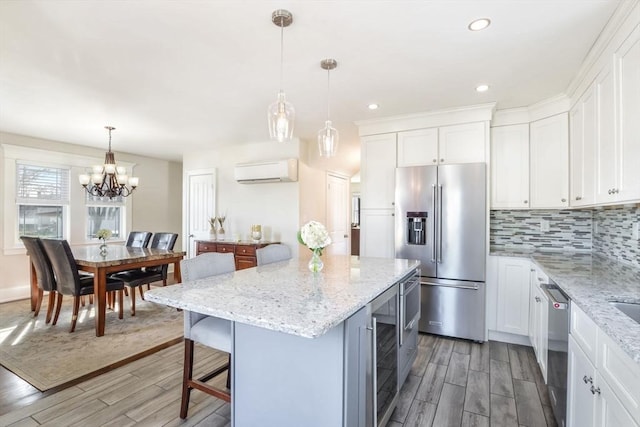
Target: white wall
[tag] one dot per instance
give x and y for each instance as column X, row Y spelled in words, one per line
column 155, row 206
column 279, row 207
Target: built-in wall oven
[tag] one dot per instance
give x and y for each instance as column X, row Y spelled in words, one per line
column 557, row 350
column 382, row 366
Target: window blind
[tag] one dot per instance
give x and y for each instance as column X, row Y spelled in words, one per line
column 42, row 185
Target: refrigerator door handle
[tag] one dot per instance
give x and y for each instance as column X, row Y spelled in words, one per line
column 433, row 245
column 440, row 224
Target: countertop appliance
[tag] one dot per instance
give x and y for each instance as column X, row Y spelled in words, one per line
column 557, row 350
column 440, row 215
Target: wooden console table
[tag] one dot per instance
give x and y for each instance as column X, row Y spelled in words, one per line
column 243, row 251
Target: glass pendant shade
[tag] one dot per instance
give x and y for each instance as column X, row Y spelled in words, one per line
column 281, row 116
column 328, row 140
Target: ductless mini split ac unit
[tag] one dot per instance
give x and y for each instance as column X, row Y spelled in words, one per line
column 285, row 170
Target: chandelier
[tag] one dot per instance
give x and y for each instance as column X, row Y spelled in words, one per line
column 281, row 113
column 108, row 180
column 328, row 135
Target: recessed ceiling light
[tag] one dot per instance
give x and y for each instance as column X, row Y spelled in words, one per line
column 479, row 24
column 373, row 106
column 482, row 88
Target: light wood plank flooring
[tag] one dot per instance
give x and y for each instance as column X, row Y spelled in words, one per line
column 452, row 383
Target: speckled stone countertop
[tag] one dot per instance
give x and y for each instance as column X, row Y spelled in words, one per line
column 286, row 296
column 591, row 281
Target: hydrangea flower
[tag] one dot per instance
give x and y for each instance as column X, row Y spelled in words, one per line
column 314, row 235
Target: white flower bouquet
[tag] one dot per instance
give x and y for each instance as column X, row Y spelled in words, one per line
column 314, row 236
column 103, row 234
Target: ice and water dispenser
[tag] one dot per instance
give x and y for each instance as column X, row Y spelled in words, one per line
column 416, row 228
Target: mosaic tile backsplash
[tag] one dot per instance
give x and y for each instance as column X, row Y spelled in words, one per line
column 568, row 229
column 607, row 231
column 613, row 233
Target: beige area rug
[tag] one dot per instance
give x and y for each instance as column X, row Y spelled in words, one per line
column 50, row 357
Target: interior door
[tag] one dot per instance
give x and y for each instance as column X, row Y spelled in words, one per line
column 200, row 205
column 338, row 223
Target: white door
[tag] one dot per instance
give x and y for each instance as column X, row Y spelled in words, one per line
column 338, row 214
column 200, row 205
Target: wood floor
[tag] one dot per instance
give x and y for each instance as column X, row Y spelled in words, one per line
column 452, row 383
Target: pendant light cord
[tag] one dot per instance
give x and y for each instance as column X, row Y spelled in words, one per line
column 281, row 52
column 328, row 93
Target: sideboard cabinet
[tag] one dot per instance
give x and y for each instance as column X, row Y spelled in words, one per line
column 244, row 252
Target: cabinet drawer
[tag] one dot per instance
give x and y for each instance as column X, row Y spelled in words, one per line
column 243, row 262
column 246, row 250
column 620, row 372
column 584, row 331
column 225, row 248
column 206, row 247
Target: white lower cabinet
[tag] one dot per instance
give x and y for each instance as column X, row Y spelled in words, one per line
column 603, row 383
column 538, row 322
column 376, row 233
column 512, row 311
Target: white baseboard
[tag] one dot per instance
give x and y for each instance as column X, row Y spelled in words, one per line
column 15, row 293
column 509, row 338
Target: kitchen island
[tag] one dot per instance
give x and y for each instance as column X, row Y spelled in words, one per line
column 299, row 346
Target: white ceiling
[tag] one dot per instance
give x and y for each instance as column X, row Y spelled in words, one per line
column 179, row 76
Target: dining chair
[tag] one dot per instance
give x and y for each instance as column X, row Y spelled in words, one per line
column 207, row 330
column 138, row 277
column 273, row 253
column 44, row 273
column 70, row 282
column 138, row 239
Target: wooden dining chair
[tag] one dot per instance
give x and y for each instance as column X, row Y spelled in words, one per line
column 273, row 253
column 139, row 277
column 44, row 274
column 70, row 282
column 207, row 330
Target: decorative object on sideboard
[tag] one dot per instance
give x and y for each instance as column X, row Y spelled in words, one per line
column 221, row 232
column 108, row 180
column 328, row 135
column 103, row 234
column 281, row 114
column 256, row 232
column 314, row 235
column 212, row 224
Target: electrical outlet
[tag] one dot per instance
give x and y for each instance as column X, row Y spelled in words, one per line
column 635, row 231
column 544, row 225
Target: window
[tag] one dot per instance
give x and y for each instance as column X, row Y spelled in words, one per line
column 42, row 198
column 103, row 212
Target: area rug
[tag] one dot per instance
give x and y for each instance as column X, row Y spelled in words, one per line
column 50, row 357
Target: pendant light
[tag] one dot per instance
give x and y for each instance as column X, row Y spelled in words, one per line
column 281, row 114
column 328, row 135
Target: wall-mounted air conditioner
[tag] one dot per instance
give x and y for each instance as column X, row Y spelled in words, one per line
column 285, row 170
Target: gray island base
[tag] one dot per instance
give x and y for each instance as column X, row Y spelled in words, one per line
column 301, row 348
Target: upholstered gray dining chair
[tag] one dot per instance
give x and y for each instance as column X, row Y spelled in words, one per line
column 44, row 274
column 210, row 331
column 139, row 277
column 273, row 253
column 138, row 239
column 70, row 282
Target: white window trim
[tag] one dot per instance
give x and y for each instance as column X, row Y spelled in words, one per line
column 77, row 203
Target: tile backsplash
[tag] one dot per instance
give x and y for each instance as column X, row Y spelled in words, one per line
column 607, row 231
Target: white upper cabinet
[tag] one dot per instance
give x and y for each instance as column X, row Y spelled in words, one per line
column 510, row 167
column 418, row 147
column 582, row 119
column 628, row 71
column 378, row 171
column 462, row 143
column 606, row 137
column 549, row 162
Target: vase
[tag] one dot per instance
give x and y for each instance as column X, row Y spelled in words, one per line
column 315, row 263
column 103, row 248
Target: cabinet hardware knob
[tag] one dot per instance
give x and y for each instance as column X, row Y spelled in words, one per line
column 441, row 160
column 526, row 201
column 434, row 160
column 595, row 390
column 537, row 299
column 610, row 191
column 587, row 379
column 533, row 269
column 578, row 198
column 563, row 200
column 615, row 190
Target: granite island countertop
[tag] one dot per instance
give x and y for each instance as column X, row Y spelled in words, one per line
column 286, row 296
column 591, row 281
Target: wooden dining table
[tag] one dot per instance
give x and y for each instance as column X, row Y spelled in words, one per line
column 117, row 258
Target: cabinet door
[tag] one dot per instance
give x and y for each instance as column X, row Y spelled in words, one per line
column 542, row 313
column 462, row 143
column 510, row 166
column 580, row 377
column 378, row 171
column 582, row 143
column 376, row 233
column 549, row 162
column 418, row 147
column 609, row 410
column 628, row 66
column 606, row 154
column 513, row 295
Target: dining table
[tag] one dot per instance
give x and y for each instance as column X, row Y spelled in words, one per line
column 116, row 258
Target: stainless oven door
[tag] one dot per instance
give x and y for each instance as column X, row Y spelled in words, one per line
column 409, row 306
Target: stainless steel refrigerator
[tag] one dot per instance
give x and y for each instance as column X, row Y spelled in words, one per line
column 440, row 215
